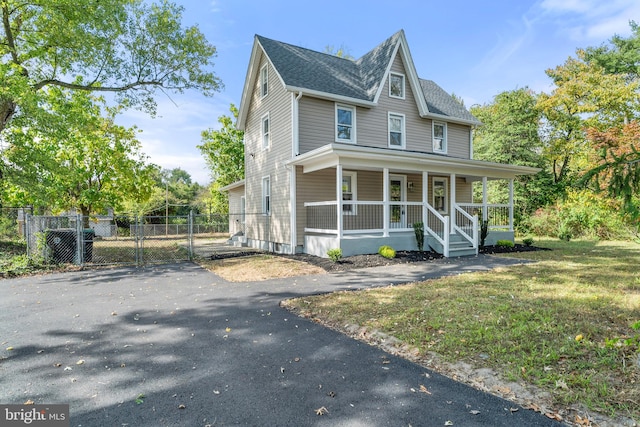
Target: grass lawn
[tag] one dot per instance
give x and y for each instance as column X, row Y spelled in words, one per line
column 568, row 324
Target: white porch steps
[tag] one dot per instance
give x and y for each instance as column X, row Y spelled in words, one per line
column 458, row 246
column 238, row 240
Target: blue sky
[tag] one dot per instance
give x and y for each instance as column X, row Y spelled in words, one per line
column 475, row 49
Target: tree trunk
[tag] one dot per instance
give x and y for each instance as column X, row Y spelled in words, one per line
column 7, row 110
column 85, row 211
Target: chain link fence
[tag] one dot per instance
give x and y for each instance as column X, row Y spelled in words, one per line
column 109, row 240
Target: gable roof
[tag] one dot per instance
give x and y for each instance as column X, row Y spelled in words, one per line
column 355, row 81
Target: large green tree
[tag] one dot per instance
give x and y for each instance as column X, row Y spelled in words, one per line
column 510, row 134
column 74, row 156
column 128, row 47
column 223, row 150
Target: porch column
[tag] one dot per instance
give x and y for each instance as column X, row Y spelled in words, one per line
column 452, row 203
column 385, row 203
column 485, row 209
column 425, row 197
column 339, row 200
column 511, row 204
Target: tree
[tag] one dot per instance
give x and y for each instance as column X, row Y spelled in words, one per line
column 509, row 134
column 223, row 150
column 127, row 47
column 621, row 56
column 74, row 157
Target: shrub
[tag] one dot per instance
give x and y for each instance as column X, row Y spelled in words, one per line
column 418, row 229
column 335, row 254
column 528, row 241
column 505, row 243
column 387, row 252
column 484, row 232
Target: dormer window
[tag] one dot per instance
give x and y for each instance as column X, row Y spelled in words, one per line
column 439, row 137
column 396, row 85
column 264, row 81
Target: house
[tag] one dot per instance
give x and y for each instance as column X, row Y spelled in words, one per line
column 350, row 154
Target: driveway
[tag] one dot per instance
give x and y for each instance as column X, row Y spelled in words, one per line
column 175, row 345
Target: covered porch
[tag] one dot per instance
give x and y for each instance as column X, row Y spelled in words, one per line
column 363, row 197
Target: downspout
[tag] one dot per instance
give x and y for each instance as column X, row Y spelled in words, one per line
column 295, row 150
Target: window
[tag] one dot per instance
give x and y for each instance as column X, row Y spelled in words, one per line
column 439, row 137
column 440, row 194
column 345, row 124
column 264, row 81
column 396, row 130
column 266, row 132
column 349, row 192
column 396, row 86
column 266, row 195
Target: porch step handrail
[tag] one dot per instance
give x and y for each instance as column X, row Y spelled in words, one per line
column 473, row 239
column 444, row 220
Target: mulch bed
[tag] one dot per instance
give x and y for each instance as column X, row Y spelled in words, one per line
column 402, row 257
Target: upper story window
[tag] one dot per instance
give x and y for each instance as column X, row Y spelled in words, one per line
column 266, row 132
column 396, row 85
column 264, row 81
column 266, row 195
column 396, row 130
column 439, row 137
column 345, row 124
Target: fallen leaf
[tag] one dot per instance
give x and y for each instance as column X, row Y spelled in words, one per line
column 586, row 422
column 512, row 410
column 181, row 406
column 57, row 365
column 80, row 362
column 228, row 329
column 322, row 411
column 424, row 389
column 579, row 337
column 40, row 351
column 122, row 365
column 68, row 368
column 216, row 391
column 562, row 384
column 474, row 412
column 9, row 348
column 553, row 416
column 29, row 402
column 448, row 423
column 297, row 359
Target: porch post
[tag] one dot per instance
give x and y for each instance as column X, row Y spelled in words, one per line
column 511, row 204
column 339, row 200
column 452, row 202
column 385, row 203
column 425, row 197
column 485, row 209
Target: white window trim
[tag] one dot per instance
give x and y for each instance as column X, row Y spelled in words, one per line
column 446, row 193
column 264, row 81
column 354, row 193
column 404, row 132
column 445, row 143
column 266, row 192
column 353, row 123
column 262, row 133
column 403, row 85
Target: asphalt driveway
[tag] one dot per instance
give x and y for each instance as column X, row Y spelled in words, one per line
column 175, row 345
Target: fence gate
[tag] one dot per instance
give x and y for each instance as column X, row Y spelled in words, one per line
column 110, row 240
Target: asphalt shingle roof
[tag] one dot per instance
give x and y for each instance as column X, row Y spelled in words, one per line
column 358, row 79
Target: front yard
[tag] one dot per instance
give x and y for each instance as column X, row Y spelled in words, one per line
column 568, row 325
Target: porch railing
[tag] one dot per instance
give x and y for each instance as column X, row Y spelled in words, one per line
column 437, row 226
column 499, row 215
column 466, row 225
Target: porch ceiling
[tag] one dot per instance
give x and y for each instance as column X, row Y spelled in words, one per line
column 370, row 158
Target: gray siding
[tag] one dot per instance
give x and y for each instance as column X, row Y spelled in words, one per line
column 260, row 163
column 317, row 122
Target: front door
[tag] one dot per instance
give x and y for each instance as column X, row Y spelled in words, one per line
column 397, row 193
